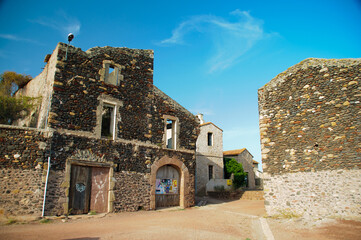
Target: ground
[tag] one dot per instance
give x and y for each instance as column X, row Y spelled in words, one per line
column 240, row 219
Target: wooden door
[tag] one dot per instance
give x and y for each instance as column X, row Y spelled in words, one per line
column 79, row 194
column 167, row 187
column 99, row 189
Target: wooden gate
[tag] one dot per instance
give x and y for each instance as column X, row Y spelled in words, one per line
column 167, row 187
column 88, row 189
column 79, row 189
column 99, row 190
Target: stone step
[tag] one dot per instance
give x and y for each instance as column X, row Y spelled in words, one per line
column 251, row 195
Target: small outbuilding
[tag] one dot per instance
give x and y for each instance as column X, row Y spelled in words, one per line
column 209, row 155
column 250, row 166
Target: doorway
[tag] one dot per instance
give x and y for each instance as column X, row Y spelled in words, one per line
column 167, row 187
column 89, row 187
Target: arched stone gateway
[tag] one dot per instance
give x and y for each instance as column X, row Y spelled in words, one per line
column 173, row 179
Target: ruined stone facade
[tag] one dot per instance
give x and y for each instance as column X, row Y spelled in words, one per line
column 310, row 126
column 101, row 112
column 209, row 155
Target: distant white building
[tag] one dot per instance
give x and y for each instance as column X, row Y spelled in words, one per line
column 250, row 166
column 209, row 155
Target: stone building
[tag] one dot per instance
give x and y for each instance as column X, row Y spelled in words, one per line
column 250, row 166
column 209, row 155
column 114, row 141
column 310, row 126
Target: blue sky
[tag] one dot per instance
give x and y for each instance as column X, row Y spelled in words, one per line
column 210, row 56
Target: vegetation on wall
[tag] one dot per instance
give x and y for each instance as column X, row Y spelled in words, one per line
column 11, row 107
column 235, row 168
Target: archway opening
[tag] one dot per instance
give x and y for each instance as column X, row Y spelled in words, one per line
column 167, row 186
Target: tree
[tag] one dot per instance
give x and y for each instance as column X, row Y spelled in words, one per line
column 11, row 108
column 10, row 82
column 232, row 166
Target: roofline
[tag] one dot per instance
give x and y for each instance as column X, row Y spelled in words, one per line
column 241, row 151
column 310, row 62
column 207, row 123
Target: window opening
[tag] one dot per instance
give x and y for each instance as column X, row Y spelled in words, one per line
column 170, row 134
column 246, row 179
column 210, row 139
column 112, row 75
column 108, row 121
column 210, row 172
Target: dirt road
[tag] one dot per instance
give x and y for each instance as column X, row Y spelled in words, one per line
column 220, row 220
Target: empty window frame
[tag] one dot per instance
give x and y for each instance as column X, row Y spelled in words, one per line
column 170, row 133
column 210, row 139
column 210, row 172
column 111, row 75
column 108, row 121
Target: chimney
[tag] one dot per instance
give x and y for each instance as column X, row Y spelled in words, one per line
column 200, row 117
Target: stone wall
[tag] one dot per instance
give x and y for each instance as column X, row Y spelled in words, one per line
column 217, row 144
column 134, row 191
column 202, row 177
column 333, row 193
column 23, row 152
column 41, row 88
column 80, row 85
column 188, row 123
column 79, row 82
column 22, row 191
column 24, row 148
column 77, row 88
column 56, row 196
column 310, row 128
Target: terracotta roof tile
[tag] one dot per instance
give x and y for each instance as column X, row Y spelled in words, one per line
column 233, row 152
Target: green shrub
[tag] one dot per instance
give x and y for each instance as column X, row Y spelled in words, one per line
column 11, row 221
column 92, row 212
column 235, row 168
column 12, row 108
column 45, row 220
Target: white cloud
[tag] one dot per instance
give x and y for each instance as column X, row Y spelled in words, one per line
column 61, row 22
column 9, row 37
column 230, row 39
column 13, row 37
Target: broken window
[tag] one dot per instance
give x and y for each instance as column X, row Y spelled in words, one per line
column 108, row 117
column 170, row 133
column 210, row 139
column 111, row 75
column 108, row 121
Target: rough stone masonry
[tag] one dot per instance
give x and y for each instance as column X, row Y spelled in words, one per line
column 310, row 126
column 99, row 110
